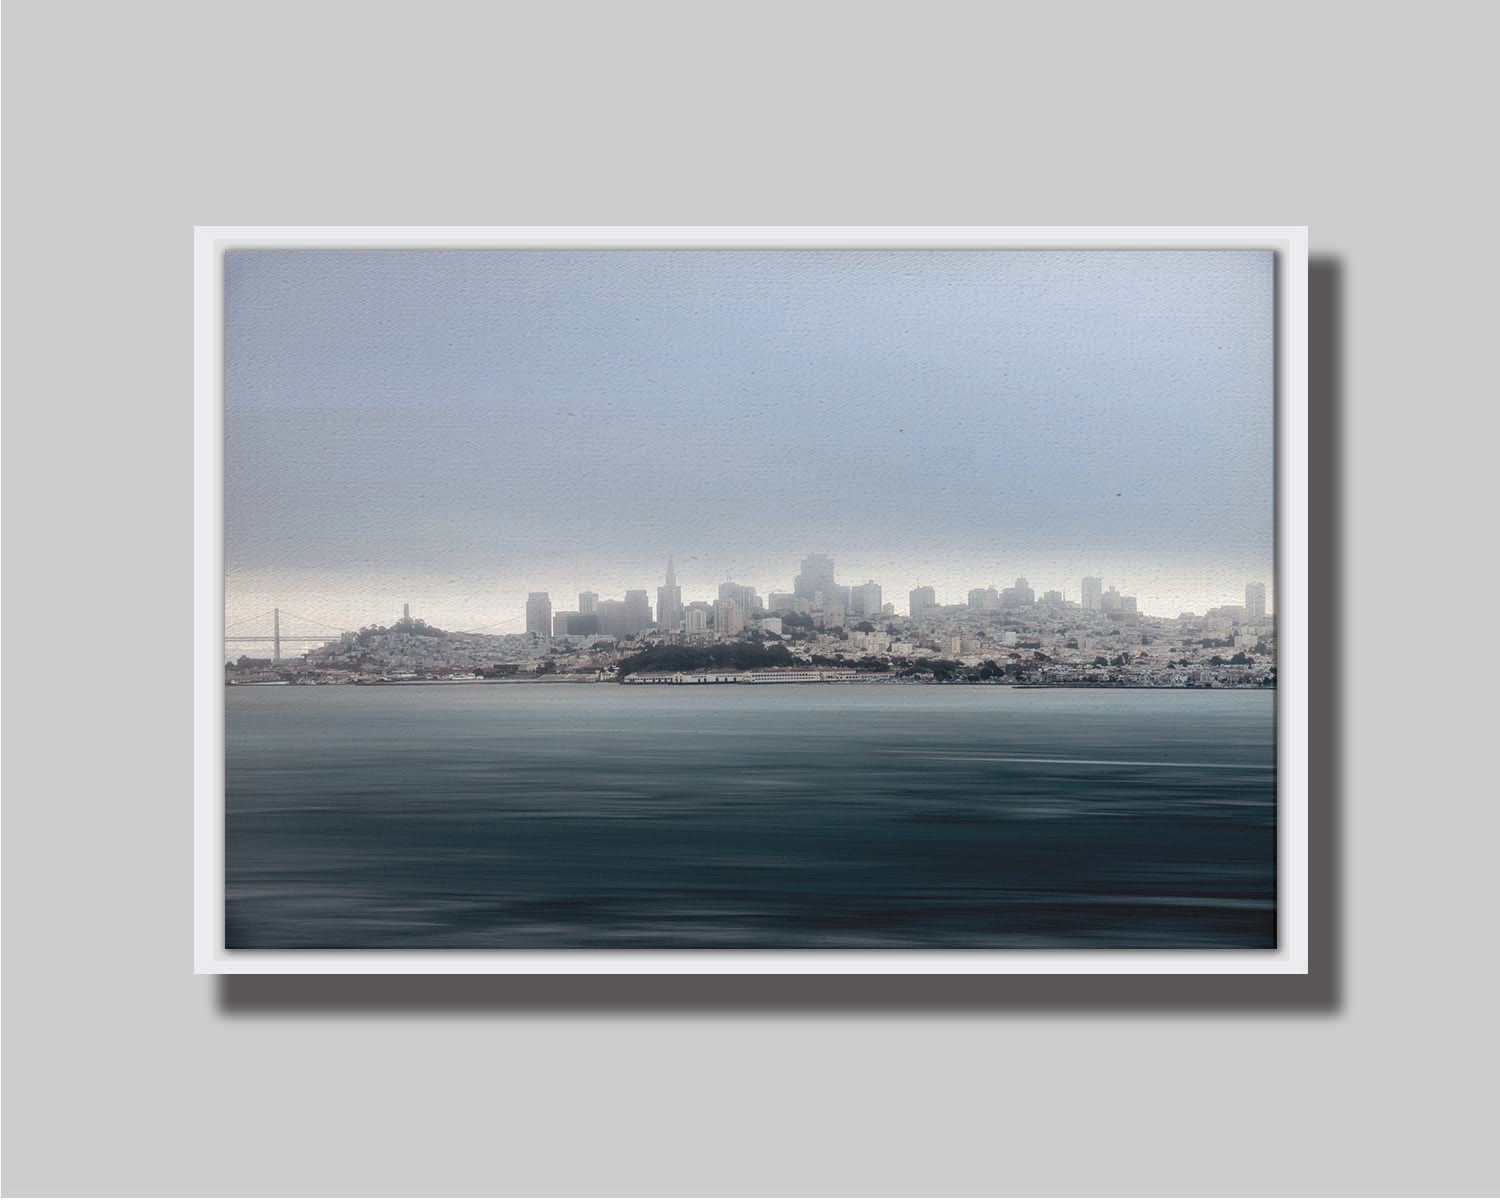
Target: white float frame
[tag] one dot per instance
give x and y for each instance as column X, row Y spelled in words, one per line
column 1289, row 958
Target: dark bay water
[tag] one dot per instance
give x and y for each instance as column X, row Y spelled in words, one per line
column 599, row 816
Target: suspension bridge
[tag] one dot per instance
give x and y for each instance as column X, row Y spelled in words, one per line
column 305, row 632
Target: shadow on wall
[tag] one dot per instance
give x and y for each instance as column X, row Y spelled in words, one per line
column 646, row 995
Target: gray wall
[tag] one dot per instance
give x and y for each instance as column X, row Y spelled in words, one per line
column 125, row 124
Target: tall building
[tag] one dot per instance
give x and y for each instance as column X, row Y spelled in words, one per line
column 920, row 601
column 539, row 614
column 695, row 617
column 729, row 618
column 1019, row 594
column 741, row 594
column 623, row 618
column 637, row 609
column 982, row 598
column 864, row 599
column 1255, row 600
column 613, row 619
column 565, row 624
column 830, row 608
column 816, row 576
column 669, row 602
column 1093, row 593
column 588, row 603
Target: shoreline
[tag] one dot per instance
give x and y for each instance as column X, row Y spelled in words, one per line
column 552, row 681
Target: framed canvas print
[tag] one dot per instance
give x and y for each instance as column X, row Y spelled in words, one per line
column 751, row 600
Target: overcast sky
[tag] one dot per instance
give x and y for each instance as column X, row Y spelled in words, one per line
column 457, row 428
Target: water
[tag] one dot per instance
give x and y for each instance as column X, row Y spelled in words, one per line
column 600, row 816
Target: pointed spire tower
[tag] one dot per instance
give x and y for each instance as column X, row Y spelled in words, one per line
column 669, row 601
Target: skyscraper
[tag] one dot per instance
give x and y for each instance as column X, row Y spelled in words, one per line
column 1021, row 593
column 729, row 618
column 864, row 599
column 742, row 594
column 920, row 601
column 1255, row 600
column 574, row 624
column 637, row 609
column 588, row 603
column 625, row 618
column 539, row 614
column 1093, row 593
column 669, row 601
column 817, row 576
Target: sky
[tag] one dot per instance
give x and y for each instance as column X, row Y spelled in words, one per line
column 456, row 428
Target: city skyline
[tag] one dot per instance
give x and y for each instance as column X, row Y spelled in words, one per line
column 820, row 630
column 460, row 428
column 1256, row 595
column 819, row 574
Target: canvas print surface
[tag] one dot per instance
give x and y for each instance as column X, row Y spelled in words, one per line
column 745, row 599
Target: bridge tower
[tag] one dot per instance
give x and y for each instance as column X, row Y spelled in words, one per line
column 275, row 634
